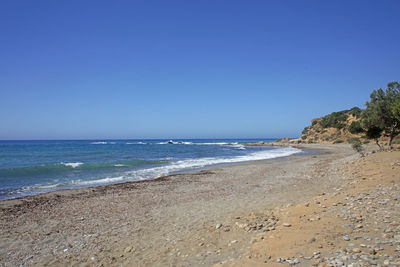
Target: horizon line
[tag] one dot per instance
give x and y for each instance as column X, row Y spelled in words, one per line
column 116, row 139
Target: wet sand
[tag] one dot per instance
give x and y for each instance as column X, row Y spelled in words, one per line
column 188, row 219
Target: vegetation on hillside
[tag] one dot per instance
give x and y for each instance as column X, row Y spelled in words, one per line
column 335, row 120
column 380, row 119
column 334, row 128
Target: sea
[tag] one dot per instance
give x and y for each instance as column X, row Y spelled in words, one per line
column 34, row 167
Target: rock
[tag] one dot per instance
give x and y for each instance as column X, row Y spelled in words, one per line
column 241, row 225
column 346, row 238
column 371, row 261
column 252, row 215
column 218, row 226
column 286, row 224
column 128, row 249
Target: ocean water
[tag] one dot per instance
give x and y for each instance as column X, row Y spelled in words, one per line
column 33, row 167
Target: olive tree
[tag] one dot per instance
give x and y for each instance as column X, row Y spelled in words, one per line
column 379, row 112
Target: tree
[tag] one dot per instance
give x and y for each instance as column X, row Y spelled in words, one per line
column 379, row 112
column 374, row 133
column 355, row 127
column 396, row 108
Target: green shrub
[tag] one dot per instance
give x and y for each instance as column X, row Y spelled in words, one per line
column 355, row 127
column 305, row 130
column 314, row 122
column 334, row 120
column 353, row 140
column 338, row 141
column 397, row 142
column 356, row 111
column 303, row 137
column 366, row 142
column 357, row 146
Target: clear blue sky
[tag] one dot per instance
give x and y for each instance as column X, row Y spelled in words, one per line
column 188, row 69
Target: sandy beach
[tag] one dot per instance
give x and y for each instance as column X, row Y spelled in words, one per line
column 272, row 212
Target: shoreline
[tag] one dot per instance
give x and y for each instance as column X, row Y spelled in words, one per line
column 306, row 151
column 146, row 222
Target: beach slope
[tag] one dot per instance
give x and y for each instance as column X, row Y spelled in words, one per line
column 223, row 215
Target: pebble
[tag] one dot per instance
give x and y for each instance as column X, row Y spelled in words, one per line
column 286, row 224
column 218, row 226
column 346, row 238
column 128, row 249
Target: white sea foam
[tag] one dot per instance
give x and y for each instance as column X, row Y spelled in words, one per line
column 203, row 162
column 40, row 187
column 107, row 180
column 135, row 143
column 238, row 146
column 72, row 164
column 74, row 183
column 98, row 143
column 200, row 144
column 119, row 165
column 217, row 144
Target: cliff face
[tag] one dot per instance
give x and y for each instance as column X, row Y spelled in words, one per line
column 337, row 127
